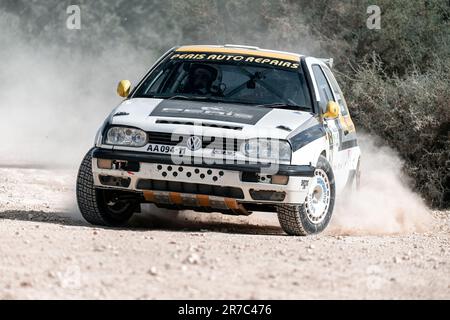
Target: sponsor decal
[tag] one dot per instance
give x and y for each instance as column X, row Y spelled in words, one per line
column 209, row 111
column 304, row 184
column 215, row 111
column 215, row 57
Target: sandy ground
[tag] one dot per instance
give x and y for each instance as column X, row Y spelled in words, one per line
column 48, row 251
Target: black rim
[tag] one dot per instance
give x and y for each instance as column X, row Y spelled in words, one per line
column 116, row 206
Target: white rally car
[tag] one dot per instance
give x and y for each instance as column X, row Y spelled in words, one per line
column 231, row 129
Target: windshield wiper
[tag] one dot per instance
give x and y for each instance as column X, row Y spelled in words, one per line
column 203, row 98
column 280, row 105
column 180, row 97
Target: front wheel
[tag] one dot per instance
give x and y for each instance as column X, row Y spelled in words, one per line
column 315, row 213
column 98, row 206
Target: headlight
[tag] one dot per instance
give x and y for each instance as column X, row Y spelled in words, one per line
column 267, row 149
column 123, row 136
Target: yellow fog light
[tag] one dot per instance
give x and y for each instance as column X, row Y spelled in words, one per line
column 104, row 163
column 280, row 179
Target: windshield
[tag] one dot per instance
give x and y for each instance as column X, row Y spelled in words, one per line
column 238, row 79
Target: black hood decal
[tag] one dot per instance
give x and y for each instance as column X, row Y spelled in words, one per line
column 210, row 111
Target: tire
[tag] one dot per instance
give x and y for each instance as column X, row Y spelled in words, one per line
column 301, row 220
column 95, row 204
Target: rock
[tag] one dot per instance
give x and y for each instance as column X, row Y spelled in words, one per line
column 152, row 271
column 25, row 284
column 99, row 248
column 302, row 258
column 193, row 259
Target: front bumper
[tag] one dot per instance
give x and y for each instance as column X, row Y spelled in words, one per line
column 158, row 177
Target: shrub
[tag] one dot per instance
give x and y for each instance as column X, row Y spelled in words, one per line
column 412, row 114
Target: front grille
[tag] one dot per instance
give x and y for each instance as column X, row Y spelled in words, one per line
column 229, row 144
column 193, row 188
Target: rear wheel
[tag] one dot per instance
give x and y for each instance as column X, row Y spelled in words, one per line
column 315, row 213
column 102, row 207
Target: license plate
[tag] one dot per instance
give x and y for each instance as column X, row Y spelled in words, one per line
column 161, row 148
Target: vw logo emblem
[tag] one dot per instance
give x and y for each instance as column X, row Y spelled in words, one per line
column 194, row 143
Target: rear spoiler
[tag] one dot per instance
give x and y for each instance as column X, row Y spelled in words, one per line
column 328, row 62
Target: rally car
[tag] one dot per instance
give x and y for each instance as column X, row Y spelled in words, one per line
column 231, row 129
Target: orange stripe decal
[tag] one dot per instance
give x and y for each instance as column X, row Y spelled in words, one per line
column 203, row 200
column 149, row 196
column 175, row 197
column 231, row 203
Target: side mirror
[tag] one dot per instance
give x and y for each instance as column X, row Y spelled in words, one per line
column 123, row 88
column 332, row 110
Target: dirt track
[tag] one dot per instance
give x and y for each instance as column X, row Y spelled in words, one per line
column 48, row 251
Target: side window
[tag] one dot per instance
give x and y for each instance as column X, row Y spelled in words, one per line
column 323, row 86
column 337, row 92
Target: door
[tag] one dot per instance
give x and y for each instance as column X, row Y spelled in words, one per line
column 333, row 127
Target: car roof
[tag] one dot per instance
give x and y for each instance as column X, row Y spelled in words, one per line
column 241, row 49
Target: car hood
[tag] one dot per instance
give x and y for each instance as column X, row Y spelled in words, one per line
column 218, row 119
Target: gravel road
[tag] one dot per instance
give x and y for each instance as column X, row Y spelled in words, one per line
column 48, row 251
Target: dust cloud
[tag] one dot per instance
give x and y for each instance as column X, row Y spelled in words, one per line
column 384, row 204
column 53, row 98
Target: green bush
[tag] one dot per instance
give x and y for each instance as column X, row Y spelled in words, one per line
column 412, row 114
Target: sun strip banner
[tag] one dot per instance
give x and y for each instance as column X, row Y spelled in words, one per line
column 218, row 57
